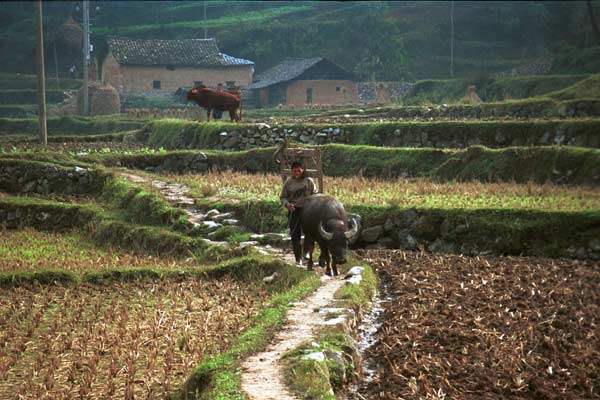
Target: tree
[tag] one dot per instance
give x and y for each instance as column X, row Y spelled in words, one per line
column 593, row 21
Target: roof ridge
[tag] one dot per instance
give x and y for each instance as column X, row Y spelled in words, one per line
column 175, row 52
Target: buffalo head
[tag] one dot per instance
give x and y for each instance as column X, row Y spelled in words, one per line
column 339, row 237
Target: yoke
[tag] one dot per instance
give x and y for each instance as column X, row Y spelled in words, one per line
column 310, row 157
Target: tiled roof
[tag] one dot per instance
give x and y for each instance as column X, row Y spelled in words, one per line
column 286, row 71
column 184, row 52
column 229, row 60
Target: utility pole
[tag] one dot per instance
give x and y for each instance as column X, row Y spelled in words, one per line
column 205, row 28
column 41, row 76
column 86, row 54
column 452, row 39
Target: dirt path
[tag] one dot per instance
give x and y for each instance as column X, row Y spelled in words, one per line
column 262, row 377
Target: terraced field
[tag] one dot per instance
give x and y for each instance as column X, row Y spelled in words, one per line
column 109, row 290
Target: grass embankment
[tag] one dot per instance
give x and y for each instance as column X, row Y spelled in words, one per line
column 29, row 96
column 29, row 249
column 122, row 214
column 568, row 165
column 254, row 17
column 440, row 91
column 18, row 110
column 179, row 134
column 69, row 125
column 585, row 89
column 500, row 218
column 23, row 81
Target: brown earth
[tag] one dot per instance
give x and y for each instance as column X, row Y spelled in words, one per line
column 472, row 328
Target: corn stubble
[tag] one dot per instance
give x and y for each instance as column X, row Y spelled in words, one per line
column 123, row 341
column 402, row 192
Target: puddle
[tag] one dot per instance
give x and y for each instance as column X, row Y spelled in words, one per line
column 371, row 323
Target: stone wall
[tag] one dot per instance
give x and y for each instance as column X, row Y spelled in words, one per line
column 381, row 92
column 436, row 135
column 44, row 216
column 264, row 135
column 38, row 178
column 432, row 231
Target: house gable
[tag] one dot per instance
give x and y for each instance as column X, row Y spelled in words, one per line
column 132, row 65
column 295, row 69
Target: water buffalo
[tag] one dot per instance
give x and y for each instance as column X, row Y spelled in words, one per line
column 211, row 99
column 324, row 220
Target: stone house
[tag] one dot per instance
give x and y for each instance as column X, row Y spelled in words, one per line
column 303, row 82
column 152, row 65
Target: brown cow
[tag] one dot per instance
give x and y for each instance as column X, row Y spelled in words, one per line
column 210, row 99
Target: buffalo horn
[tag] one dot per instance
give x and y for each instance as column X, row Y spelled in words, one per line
column 350, row 233
column 326, row 235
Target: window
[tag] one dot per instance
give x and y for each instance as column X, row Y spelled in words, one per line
column 155, row 84
column 229, row 83
column 337, row 88
column 198, row 83
column 309, row 95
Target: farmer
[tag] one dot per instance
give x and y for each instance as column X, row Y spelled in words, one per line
column 295, row 189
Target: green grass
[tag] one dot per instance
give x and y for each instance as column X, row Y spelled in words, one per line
column 70, row 125
column 29, row 96
column 586, row 89
column 24, row 81
column 263, row 113
column 73, row 251
column 254, row 17
column 556, row 87
column 577, row 61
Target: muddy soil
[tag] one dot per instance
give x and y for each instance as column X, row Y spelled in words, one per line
column 493, row 328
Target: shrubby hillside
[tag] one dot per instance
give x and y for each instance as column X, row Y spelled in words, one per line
column 376, row 40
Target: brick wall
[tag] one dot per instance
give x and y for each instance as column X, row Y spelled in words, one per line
column 323, row 92
column 136, row 78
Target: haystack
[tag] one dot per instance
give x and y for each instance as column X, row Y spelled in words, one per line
column 69, row 35
column 103, row 99
column 472, row 97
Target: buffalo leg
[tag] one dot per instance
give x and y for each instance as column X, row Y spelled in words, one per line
column 322, row 260
column 335, row 270
column 232, row 115
column 325, row 258
column 309, row 246
column 208, row 114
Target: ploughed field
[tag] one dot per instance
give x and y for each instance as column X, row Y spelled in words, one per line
column 472, row 328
